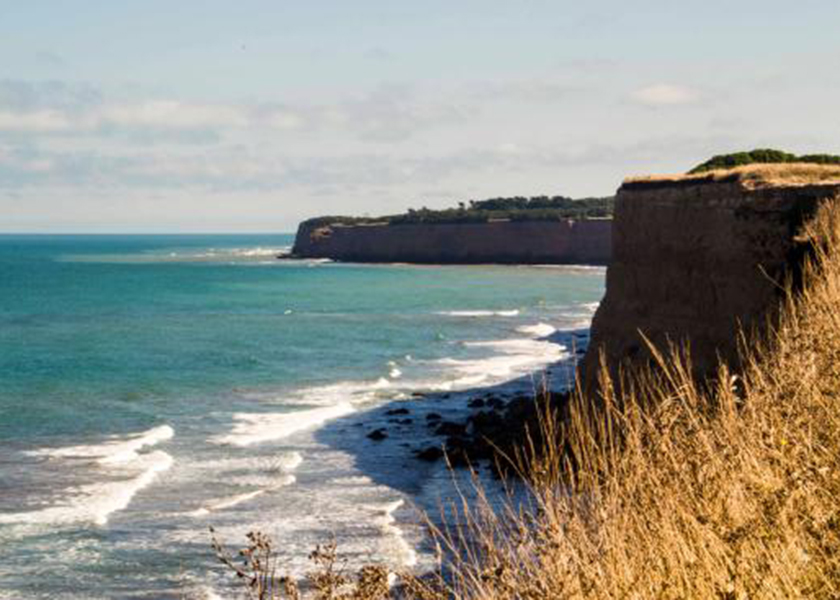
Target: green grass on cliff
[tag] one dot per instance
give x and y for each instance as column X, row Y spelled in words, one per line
column 762, row 155
column 517, row 208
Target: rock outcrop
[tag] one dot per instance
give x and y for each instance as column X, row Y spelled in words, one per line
column 513, row 242
column 694, row 259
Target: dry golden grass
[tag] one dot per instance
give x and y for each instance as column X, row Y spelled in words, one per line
column 672, row 489
column 754, row 176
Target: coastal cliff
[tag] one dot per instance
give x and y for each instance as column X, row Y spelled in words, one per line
column 567, row 241
column 697, row 257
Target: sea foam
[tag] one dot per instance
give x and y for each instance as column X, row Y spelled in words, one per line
column 113, row 451
column 538, row 330
column 513, row 357
column 123, row 471
column 480, row 313
column 398, row 546
column 95, row 502
column 237, row 499
column 256, row 428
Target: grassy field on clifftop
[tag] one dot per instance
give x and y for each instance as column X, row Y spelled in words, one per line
column 670, row 489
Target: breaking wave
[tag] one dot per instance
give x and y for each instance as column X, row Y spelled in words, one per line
column 480, row 313
column 119, row 465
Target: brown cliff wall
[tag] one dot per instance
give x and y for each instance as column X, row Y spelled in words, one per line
column 692, row 260
column 522, row 242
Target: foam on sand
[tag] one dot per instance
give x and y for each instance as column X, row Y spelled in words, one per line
column 256, row 428
column 269, row 473
column 395, row 542
column 236, row 500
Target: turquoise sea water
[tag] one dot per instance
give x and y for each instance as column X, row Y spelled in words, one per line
column 153, row 385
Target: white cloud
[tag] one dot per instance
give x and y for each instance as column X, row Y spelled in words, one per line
column 156, row 115
column 37, row 121
column 172, row 114
column 388, row 113
column 664, row 94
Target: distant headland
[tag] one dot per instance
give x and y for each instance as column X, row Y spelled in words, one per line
column 520, row 230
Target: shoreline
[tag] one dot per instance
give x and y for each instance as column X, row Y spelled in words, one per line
column 399, row 458
column 261, row 422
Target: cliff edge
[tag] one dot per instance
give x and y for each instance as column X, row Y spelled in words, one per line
column 697, row 256
column 565, row 241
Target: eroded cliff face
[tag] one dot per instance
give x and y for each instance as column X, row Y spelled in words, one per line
column 694, row 259
column 514, row 242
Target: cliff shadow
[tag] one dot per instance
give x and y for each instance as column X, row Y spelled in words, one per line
column 395, row 444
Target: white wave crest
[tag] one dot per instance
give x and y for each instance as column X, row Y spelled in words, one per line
column 538, row 330
column 231, row 253
column 516, row 357
column 113, row 451
column 256, row 428
column 96, row 502
column 480, row 313
column 355, row 392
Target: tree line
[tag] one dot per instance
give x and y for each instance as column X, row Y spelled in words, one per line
column 515, row 208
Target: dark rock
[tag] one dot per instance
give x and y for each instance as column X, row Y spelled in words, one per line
column 418, row 395
column 397, row 411
column 494, row 402
column 457, row 452
column 433, row 417
column 430, row 454
column 476, row 403
column 377, row 435
column 519, row 408
column 487, row 423
column 450, row 428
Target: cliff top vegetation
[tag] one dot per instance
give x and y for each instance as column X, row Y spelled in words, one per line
column 762, row 155
column 755, row 175
column 516, row 208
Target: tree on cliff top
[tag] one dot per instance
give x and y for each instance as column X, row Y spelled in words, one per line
column 517, row 208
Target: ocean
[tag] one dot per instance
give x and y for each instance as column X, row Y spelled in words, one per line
column 152, row 386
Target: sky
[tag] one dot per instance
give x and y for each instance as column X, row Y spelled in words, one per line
column 249, row 116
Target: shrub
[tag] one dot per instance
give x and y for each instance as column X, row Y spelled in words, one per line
column 762, row 155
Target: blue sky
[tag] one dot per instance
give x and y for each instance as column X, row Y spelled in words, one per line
column 249, row 116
